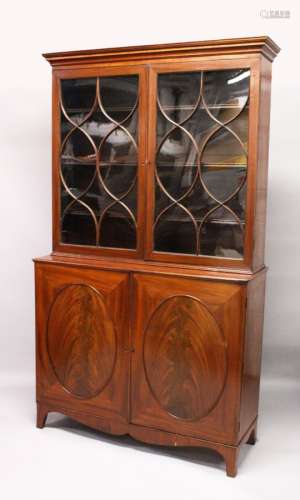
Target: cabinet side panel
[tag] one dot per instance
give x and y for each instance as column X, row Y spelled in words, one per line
column 262, row 165
column 252, row 352
column 38, row 323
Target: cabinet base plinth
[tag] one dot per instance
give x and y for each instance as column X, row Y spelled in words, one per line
column 151, row 436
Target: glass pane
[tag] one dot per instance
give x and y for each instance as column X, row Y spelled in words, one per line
column 78, row 226
column 221, row 235
column 222, row 181
column 228, row 145
column 118, row 225
column 175, row 229
column 99, row 161
column 225, row 92
column 201, row 162
column 78, row 97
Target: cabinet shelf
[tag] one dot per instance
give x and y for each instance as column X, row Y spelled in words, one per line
column 208, row 106
column 205, row 165
column 113, row 109
column 185, row 220
column 91, row 160
column 109, row 109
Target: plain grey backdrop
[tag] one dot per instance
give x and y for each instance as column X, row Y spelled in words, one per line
column 59, row 457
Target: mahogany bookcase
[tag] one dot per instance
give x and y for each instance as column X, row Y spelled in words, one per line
column 149, row 310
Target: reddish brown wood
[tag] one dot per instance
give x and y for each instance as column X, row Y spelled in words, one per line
column 141, row 266
column 96, row 420
column 258, row 55
column 184, row 357
column 203, row 354
column 205, row 308
column 154, row 436
column 41, row 415
column 253, row 63
column 262, row 145
column 58, row 246
column 210, row 48
column 231, row 458
column 82, row 338
column 167, row 350
column 253, row 435
column 80, row 332
column 252, row 352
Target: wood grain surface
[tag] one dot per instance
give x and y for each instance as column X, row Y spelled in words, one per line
column 184, row 354
column 164, row 347
column 81, row 340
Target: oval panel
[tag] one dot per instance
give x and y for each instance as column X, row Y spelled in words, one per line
column 81, row 341
column 185, row 358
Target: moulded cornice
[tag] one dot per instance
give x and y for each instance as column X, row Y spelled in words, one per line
column 232, row 46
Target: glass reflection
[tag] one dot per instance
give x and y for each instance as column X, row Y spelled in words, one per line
column 99, row 131
column 201, row 162
column 175, row 229
column 221, row 235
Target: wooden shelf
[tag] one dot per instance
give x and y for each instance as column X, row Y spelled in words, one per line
column 171, row 219
column 209, row 106
column 91, row 160
column 205, row 165
column 97, row 109
column 113, row 109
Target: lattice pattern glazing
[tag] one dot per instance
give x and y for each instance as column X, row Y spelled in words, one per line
column 99, row 159
column 201, row 162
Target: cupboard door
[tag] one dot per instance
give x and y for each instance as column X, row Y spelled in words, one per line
column 82, row 339
column 186, row 372
column 99, row 160
column 199, row 163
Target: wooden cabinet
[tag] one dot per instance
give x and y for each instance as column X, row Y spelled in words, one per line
column 150, row 307
column 83, row 339
column 188, row 340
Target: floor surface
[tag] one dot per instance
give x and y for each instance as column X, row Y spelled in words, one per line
column 66, row 460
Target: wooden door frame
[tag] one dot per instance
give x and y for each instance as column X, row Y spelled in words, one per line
column 254, row 65
column 113, row 288
column 228, row 404
column 104, row 70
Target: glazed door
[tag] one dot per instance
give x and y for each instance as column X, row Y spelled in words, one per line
column 82, row 339
column 188, row 356
column 99, row 150
column 199, row 163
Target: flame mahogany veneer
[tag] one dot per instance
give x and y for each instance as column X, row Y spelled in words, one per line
column 161, row 346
